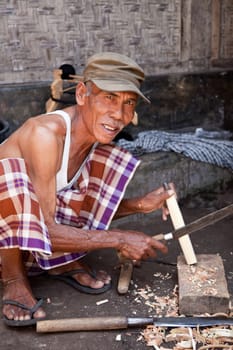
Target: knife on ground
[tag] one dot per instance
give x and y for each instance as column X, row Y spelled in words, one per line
column 121, row 322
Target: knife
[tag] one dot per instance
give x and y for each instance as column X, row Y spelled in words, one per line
column 198, row 224
column 121, row 322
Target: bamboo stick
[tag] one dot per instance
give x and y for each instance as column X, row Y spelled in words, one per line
column 178, row 222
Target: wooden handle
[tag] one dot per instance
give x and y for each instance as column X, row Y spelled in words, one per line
column 125, row 276
column 81, row 324
column 159, row 237
column 178, row 222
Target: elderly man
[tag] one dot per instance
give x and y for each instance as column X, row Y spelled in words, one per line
column 62, row 182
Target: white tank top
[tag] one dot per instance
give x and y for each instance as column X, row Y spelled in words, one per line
column 62, row 174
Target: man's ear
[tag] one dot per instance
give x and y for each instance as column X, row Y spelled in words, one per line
column 80, row 93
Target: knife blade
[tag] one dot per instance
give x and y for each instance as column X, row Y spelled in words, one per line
column 198, row 224
column 189, row 321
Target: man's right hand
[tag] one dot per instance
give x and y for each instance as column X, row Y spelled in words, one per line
column 136, row 245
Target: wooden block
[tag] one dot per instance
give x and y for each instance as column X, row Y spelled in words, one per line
column 202, row 287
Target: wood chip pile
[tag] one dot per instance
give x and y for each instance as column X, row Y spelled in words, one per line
column 181, row 338
column 187, row 338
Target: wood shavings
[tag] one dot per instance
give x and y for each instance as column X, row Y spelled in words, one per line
column 188, row 338
column 203, row 279
column 217, row 346
column 213, row 334
column 118, row 337
column 161, row 276
column 102, row 302
column 231, row 309
column 193, row 342
column 177, row 334
column 154, row 336
column 210, row 291
column 161, row 305
column 184, row 344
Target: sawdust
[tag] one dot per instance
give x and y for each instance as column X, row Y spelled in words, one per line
column 158, row 305
column 203, row 279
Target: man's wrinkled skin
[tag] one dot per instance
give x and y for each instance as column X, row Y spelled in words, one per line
column 98, row 117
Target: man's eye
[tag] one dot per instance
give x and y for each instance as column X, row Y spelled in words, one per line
column 110, row 97
column 130, row 102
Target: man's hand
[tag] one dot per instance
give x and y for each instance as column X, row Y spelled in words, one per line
column 157, row 200
column 138, row 246
column 147, row 203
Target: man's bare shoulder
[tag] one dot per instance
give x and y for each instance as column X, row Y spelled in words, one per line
column 41, row 131
column 50, row 123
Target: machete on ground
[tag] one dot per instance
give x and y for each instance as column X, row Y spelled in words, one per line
column 120, row 322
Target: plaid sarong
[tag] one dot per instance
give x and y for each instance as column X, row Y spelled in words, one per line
column 89, row 204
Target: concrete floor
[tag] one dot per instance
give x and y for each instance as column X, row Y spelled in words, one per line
column 62, row 301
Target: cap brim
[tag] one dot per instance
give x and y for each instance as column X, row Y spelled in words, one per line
column 118, row 85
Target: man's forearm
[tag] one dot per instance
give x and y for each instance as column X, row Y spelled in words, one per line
column 71, row 239
column 128, row 207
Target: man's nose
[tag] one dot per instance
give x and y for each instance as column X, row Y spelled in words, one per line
column 118, row 112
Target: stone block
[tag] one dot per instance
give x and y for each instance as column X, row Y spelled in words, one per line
column 202, row 287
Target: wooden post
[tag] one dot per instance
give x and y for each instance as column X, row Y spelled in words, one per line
column 216, row 26
column 178, row 222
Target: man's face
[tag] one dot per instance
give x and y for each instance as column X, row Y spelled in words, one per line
column 107, row 113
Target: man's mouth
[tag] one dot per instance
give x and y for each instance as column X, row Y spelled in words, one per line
column 110, row 128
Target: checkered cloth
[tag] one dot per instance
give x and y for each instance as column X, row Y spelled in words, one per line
column 89, row 204
column 217, row 152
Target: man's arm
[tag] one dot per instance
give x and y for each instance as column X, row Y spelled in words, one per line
column 146, row 204
column 41, row 148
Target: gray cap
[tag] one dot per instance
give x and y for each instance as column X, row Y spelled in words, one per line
column 114, row 72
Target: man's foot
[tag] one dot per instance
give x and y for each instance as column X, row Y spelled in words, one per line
column 19, row 305
column 82, row 278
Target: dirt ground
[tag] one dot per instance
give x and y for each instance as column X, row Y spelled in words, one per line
column 158, row 278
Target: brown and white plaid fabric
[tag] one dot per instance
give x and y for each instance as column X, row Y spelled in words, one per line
column 90, row 203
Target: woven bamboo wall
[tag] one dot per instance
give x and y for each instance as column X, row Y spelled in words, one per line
column 164, row 36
